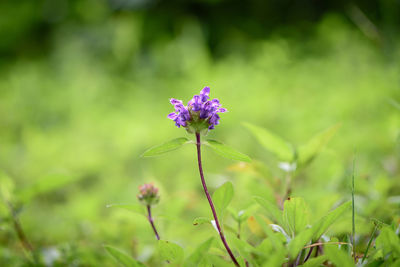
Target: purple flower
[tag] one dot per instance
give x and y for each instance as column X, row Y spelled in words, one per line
column 200, row 113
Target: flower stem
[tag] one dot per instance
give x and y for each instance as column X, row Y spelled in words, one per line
column 221, row 234
column 151, row 221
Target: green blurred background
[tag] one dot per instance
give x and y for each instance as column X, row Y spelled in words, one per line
column 85, row 88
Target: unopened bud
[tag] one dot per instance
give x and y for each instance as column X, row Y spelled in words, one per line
column 148, row 194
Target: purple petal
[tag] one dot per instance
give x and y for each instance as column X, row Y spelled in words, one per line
column 204, row 94
column 172, row 116
column 222, row 110
column 175, row 101
column 196, row 103
column 205, row 91
column 215, row 101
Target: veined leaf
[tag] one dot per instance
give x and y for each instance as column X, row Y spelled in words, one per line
column 166, row 147
column 272, row 142
column 123, row 258
column 307, row 152
column 222, row 197
column 322, row 225
column 273, row 212
column 170, row 252
column 295, row 215
column 226, row 151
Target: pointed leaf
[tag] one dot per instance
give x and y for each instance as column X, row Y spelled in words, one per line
column 222, row 197
column 307, row 152
column 322, row 225
column 170, row 252
column 272, row 142
column 295, row 215
column 123, row 258
column 273, row 211
column 166, row 147
column 226, row 151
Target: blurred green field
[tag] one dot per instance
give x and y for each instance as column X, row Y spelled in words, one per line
column 79, row 119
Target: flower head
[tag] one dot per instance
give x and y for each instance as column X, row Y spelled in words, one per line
column 200, row 114
column 148, row 194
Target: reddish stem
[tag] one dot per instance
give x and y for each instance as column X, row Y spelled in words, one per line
column 151, row 221
column 203, row 181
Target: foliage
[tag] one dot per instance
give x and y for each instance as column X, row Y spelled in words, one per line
column 79, row 108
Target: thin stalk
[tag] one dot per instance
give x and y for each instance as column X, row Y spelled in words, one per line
column 308, row 255
column 210, row 202
column 28, row 248
column 151, row 221
column 369, row 244
column 18, row 229
column 353, row 231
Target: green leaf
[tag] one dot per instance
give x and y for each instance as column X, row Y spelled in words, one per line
column 297, row 243
column 201, row 220
column 245, row 250
column 307, row 152
column 322, row 225
column 276, row 259
column 222, row 197
column 170, row 252
column 338, row 257
column 272, row 142
column 275, row 240
column 195, row 258
column 137, row 208
column 46, row 184
column 123, row 258
column 295, row 215
column 315, row 262
column 226, row 151
column 388, row 241
column 166, row 147
column 274, row 213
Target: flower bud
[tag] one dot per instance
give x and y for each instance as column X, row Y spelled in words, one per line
column 148, row 194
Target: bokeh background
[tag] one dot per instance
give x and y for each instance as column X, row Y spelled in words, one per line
column 85, row 88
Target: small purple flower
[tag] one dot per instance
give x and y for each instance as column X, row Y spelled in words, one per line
column 200, row 113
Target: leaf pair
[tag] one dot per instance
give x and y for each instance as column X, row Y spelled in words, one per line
column 218, row 147
column 287, row 152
